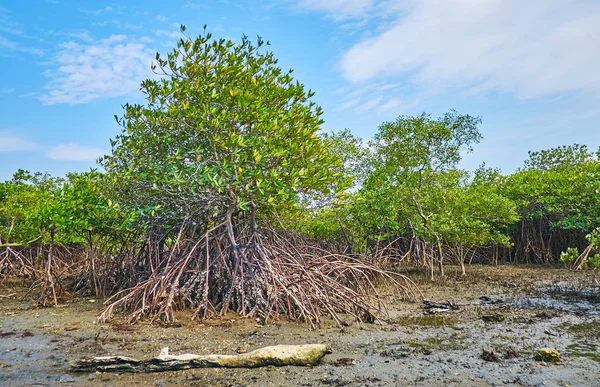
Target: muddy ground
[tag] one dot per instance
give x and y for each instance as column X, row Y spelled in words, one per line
column 509, row 312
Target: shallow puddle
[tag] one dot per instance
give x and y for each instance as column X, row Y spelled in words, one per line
column 564, row 298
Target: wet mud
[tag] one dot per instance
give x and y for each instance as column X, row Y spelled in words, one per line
column 496, row 320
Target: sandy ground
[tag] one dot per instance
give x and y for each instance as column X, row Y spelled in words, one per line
column 526, row 308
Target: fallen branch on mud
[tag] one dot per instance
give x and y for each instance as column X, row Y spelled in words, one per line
column 278, row 355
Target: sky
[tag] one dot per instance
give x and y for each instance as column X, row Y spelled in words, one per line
column 530, row 69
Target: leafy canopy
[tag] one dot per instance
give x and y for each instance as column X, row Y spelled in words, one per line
column 223, row 127
column 560, row 185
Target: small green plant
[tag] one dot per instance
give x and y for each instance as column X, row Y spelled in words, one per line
column 570, row 255
column 594, row 238
column 594, row 261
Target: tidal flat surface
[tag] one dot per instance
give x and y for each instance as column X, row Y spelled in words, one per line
column 500, row 316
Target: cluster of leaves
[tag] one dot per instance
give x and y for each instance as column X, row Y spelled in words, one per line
column 224, row 129
column 41, row 209
column 570, row 255
column 561, row 185
column 408, row 184
column 593, row 259
column 590, row 256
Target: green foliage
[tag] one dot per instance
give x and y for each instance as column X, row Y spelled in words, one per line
column 559, row 185
column 594, row 261
column 223, row 127
column 591, row 256
column 40, row 208
column 413, row 149
column 561, row 157
column 353, row 154
column 473, row 210
column 594, row 238
column 570, row 255
column 413, row 163
column 408, row 184
column 29, row 209
column 415, row 178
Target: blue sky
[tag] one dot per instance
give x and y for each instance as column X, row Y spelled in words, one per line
column 529, row 68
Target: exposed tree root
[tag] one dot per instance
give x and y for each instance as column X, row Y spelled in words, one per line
column 257, row 274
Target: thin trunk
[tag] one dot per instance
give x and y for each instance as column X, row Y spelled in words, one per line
column 92, row 263
column 431, row 263
column 49, row 277
column 461, row 258
column 441, row 256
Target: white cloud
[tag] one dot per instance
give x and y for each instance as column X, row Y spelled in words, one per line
column 340, row 9
column 380, row 96
column 83, row 35
column 531, row 48
column 9, row 45
column 390, row 105
column 118, row 24
column 170, row 34
column 195, row 5
column 96, row 12
column 7, row 90
column 107, row 68
column 10, row 143
column 172, row 37
column 162, row 18
column 75, row 152
column 7, row 25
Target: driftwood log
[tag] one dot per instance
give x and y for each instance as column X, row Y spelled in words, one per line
column 278, row 355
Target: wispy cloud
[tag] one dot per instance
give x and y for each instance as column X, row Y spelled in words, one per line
column 118, row 24
column 76, row 152
column 390, row 105
column 7, row 90
column 531, row 49
column 162, row 18
column 7, row 24
column 340, row 9
column 376, row 96
column 11, row 143
column 12, row 46
column 172, row 37
column 83, row 35
column 195, row 5
column 106, row 68
column 96, row 12
column 169, row 34
column 14, row 43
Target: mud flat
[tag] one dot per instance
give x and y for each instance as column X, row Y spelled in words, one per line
column 500, row 316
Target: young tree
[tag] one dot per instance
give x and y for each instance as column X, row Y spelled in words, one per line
column 87, row 215
column 412, row 154
column 225, row 141
column 473, row 211
column 557, row 198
